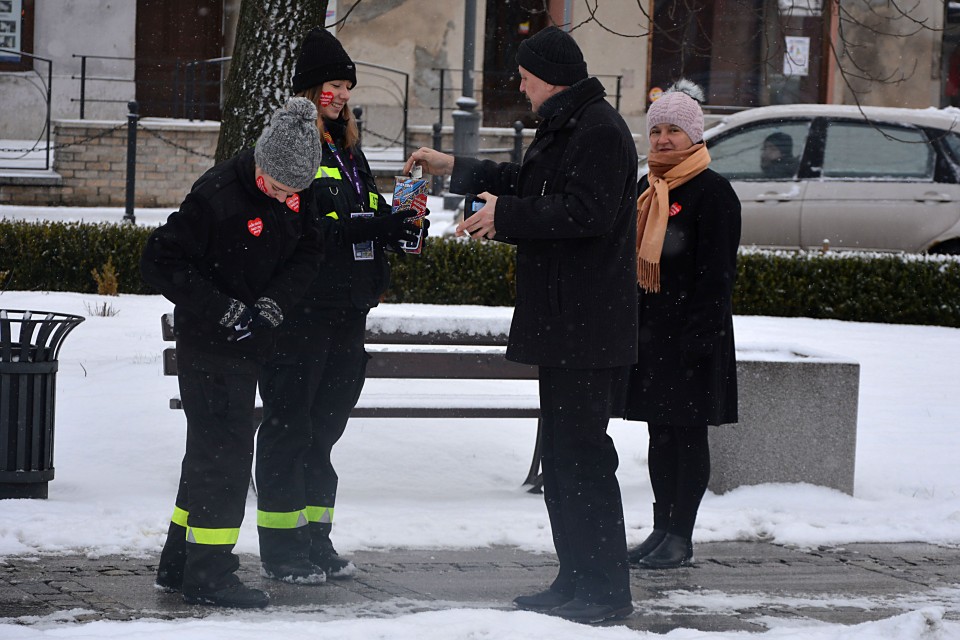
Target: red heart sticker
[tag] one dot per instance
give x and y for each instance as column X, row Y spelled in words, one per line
column 326, row 98
column 261, row 184
column 675, row 209
column 293, row 203
column 255, row 226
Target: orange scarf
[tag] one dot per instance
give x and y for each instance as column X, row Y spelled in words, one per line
column 668, row 169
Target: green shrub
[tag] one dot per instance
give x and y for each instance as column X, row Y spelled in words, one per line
column 892, row 288
column 61, row 256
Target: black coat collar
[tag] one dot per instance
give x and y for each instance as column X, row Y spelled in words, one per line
column 558, row 110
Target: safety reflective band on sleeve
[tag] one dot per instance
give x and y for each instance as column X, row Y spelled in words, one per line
column 374, row 200
column 199, row 535
column 332, row 214
column 320, row 514
column 328, row 172
column 282, row 519
column 179, row 516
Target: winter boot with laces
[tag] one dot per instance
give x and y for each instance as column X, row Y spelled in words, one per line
column 325, row 556
column 294, row 572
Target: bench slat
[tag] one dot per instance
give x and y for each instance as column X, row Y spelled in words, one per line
column 425, row 365
column 420, row 412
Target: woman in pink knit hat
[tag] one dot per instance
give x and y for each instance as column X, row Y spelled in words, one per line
column 688, row 231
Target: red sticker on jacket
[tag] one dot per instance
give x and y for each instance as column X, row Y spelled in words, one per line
column 675, row 209
column 255, row 226
column 326, row 98
column 293, row 203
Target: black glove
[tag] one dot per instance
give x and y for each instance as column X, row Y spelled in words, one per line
column 388, row 229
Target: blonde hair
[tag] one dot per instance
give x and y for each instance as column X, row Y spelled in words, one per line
column 353, row 133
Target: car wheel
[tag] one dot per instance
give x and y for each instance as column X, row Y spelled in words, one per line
column 951, row 247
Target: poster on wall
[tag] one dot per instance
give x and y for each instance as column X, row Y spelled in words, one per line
column 796, row 58
column 10, row 28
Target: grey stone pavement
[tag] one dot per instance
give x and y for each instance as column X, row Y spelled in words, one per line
column 734, row 586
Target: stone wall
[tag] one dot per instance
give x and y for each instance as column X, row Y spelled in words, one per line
column 90, row 164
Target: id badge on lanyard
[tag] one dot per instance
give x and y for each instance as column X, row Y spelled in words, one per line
column 362, row 250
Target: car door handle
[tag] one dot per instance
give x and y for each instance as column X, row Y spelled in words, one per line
column 930, row 196
column 775, row 196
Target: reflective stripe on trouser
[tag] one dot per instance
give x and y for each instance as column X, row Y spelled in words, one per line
column 218, row 393
column 282, row 520
column 320, row 514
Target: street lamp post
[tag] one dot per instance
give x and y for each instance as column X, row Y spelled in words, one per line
column 466, row 118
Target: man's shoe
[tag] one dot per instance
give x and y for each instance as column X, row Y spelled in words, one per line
column 302, row 572
column 238, row 596
column 333, row 565
column 672, row 553
column 645, row 548
column 581, row 611
column 543, row 601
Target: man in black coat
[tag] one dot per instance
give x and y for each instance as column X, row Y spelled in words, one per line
column 570, row 208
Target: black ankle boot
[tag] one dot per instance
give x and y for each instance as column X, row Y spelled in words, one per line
column 645, row 548
column 673, row 552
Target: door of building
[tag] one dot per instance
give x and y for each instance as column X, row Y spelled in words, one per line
column 508, row 23
column 173, row 36
column 743, row 53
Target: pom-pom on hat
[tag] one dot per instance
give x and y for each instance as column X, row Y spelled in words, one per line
column 679, row 105
column 288, row 150
column 553, row 56
column 322, row 58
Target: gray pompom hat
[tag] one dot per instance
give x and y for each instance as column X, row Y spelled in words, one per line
column 288, row 150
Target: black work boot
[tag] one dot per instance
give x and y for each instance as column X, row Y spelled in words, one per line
column 675, row 551
column 172, row 559
column 325, row 556
column 237, row 595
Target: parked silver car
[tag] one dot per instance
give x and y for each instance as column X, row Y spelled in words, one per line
column 872, row 179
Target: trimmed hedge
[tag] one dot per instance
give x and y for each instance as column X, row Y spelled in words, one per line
column 867, row 287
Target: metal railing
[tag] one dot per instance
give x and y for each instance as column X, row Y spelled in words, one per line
column 189, row 79
column 47, row 95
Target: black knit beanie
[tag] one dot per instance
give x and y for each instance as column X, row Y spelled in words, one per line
column 553, row 56
column 322, row 58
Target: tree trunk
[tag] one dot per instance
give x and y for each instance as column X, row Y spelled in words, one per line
column 269, row 34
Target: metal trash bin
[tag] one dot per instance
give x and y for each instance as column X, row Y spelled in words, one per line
column 29, row 344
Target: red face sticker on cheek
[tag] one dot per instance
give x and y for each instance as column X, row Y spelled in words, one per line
column 261, row 184
column 326, row 98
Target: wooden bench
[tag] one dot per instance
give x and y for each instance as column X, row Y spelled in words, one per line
column 429, row 356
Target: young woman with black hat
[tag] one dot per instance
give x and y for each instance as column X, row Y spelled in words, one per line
column 314, row 381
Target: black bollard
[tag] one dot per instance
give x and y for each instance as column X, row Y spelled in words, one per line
column 358, row 116
column 132, row 119
column 436, row 187
column 518, row 142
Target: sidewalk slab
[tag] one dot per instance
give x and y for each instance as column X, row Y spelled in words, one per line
column 734, row 586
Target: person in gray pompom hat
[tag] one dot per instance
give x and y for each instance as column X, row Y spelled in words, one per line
column 288, row 150
column 234, row 259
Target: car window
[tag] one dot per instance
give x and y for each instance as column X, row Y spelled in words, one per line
column 863, row 150
column 952, row 142
column 769, row 151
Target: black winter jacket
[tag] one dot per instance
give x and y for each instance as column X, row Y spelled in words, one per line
column 227, row 241
column 570, row 207
column 343, row 282
column 687, row 371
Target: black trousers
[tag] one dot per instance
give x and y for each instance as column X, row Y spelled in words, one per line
column 307, row 400
column 580, row 484
column 679, row 463
column 218, row 395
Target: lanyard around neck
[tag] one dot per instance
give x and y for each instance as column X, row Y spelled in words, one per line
column 351, row 173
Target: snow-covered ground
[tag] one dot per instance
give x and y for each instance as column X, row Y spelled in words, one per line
column 456, row 483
